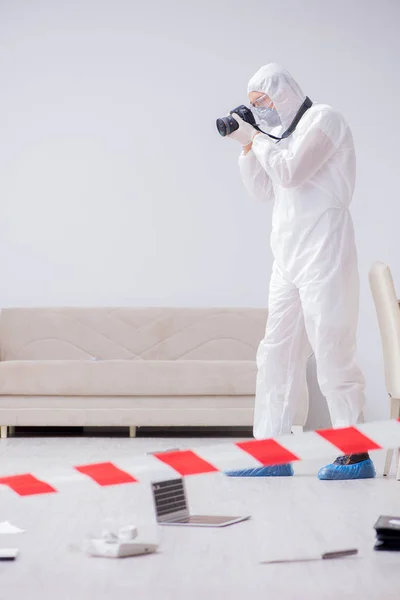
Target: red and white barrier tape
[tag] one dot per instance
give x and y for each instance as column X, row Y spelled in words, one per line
column 217, row 458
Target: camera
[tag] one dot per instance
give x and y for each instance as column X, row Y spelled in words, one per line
column 227, row 125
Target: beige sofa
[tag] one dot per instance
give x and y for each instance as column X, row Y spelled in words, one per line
column 130, row 367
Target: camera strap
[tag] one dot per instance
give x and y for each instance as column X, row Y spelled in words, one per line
column 303, row 109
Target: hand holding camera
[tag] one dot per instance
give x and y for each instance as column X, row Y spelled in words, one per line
column 239, row 125
column 245, row 133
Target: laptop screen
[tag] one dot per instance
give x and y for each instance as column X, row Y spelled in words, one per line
column 170, row 499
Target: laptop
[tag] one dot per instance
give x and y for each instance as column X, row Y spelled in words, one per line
column 172, row 507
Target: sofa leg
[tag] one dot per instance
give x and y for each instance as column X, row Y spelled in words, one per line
column 132, row 431
column 3, row 433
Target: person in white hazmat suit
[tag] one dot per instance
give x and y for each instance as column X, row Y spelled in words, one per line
column 314, row 288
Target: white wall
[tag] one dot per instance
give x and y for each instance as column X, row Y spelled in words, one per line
column 116, row 189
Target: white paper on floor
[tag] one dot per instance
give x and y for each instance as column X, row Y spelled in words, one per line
column 6, row 527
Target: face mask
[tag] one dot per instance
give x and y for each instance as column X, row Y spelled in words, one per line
column 268, row 115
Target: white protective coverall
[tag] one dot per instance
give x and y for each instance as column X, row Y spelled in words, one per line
column 314, row 289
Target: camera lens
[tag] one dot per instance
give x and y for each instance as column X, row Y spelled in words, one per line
column 226, row 125
column 221, row 126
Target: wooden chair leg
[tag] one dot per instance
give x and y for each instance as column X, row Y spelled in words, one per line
column 388, row 463
column 132, row 431
column 297, row 429
column 394, row 408
column 394, row 414
column 3, row 432
column 398, row 466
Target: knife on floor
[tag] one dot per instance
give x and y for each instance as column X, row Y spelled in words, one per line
column 305, row 558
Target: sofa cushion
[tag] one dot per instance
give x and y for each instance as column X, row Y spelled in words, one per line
column 131, row 333
column 127, row 378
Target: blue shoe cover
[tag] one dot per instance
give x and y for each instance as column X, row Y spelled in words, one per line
column 361, row 470
column 274, row 471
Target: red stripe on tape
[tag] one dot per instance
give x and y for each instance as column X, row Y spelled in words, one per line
column 27, row 485
column 186, row 462
column 106, row 474
column 349, row 440
column 268, row 452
